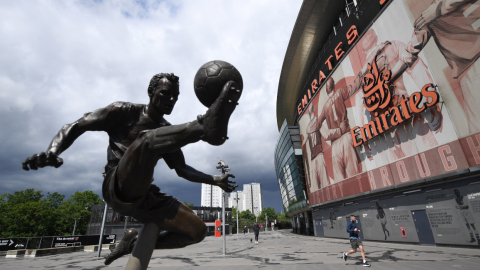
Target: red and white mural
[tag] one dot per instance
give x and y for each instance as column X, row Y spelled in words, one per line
column 403, row 105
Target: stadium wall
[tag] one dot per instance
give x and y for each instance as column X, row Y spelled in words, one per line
column 389, row 121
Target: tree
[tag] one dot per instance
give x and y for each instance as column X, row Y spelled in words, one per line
column 187, row 204
column 245, row 218
column 55, row 199
column 283, row 222
column 246, row 215
column 25, row 213
column 77, row 206
column 270, row 211
column 27, row 195
column 282, row 217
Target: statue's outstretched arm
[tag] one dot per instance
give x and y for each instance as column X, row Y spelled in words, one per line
column 176, row 161
column 92, row 121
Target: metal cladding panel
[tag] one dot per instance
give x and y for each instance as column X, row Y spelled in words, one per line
column 451, row 210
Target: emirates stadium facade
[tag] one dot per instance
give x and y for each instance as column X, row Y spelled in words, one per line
column 378, row 108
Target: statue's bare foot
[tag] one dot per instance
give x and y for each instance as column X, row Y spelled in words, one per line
column 124, row 247
column 215, row 120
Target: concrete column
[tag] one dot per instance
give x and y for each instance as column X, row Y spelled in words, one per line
column 299, row 227
column 294, row 225
column 307, row 223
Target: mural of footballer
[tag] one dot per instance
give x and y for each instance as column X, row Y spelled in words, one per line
column 401, row 139
column 462, row 205
column 344, row 156
column 454, row 26
column 383, row 219
column 315, row 131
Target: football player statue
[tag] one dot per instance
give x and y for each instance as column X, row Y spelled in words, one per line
column 138, row 137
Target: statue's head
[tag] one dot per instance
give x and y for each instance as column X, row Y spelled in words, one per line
column 330, row 85
column 163, row 91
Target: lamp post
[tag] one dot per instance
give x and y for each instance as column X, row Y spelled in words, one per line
column 254, row 212
column 266, row 221
column 75, row 226
column 236, row 199
column 125, row 226
column 103, row 228
column 223, row 168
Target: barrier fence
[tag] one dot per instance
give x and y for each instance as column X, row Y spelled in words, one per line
column 39, row 242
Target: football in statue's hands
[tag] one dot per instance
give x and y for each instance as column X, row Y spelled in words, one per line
column 210, row 79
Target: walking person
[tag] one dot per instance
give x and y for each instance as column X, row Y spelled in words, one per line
column 244, row 229
column 256, row 230
column 355, row 240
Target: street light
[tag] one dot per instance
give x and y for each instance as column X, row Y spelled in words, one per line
column 102, row 229
column 125, row 226
column 255, row 213
column 237, row 199
column 223, row 168
column 266, row 221
column 75, row 226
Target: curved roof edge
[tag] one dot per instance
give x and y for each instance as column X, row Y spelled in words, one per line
column 313, row 25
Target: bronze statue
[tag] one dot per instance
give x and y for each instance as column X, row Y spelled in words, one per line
column 138, row 137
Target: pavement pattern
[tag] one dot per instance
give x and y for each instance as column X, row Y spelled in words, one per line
column 276, row 250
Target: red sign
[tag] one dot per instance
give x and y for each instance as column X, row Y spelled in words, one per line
column 218, row 228
column 403, row 231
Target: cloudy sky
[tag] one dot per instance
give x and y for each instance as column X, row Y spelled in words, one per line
column 60, row 59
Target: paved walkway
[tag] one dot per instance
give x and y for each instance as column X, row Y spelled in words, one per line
column 276, row 250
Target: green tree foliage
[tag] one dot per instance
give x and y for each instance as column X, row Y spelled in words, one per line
column 55, row 199
column 246, row 215
column 77, row 206
column 270, row 212
column 283, row 217
column 187, row 204
column 28, row 213
column 245, row 218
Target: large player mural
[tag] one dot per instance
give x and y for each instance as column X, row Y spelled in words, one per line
column 401, row 106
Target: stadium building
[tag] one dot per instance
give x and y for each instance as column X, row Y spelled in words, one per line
column 378, row 108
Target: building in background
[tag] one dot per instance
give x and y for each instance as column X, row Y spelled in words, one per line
column 211, row 201
column 250, row 198
column 253, row 199
column 387, row 106
column 291, row 177
column 241, row 200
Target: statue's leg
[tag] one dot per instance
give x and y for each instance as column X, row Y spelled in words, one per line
column 183, row 230
column 142, row 252
column 135, row 169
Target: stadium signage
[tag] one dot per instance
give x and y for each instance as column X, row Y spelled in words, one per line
column 377, row 97
column 338, row 53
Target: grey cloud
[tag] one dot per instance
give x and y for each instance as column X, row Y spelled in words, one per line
column 61, row 59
